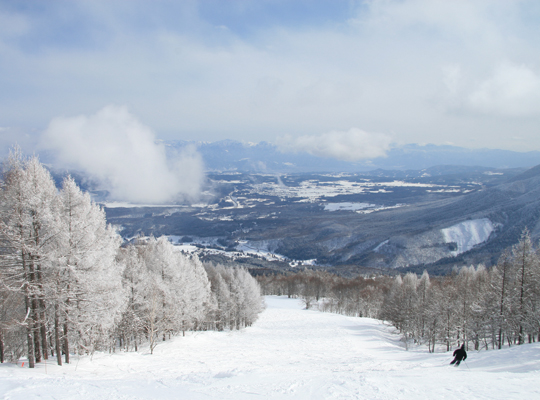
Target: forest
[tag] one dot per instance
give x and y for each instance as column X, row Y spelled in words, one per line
column 479, row 307
column 70, row 285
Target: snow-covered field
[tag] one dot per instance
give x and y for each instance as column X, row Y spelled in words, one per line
column 314, row 189
column 289, row 353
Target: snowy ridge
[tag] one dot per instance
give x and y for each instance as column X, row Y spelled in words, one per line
column 468, row 234
column 289, row 353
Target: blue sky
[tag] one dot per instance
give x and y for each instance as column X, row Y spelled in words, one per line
column 366, row 74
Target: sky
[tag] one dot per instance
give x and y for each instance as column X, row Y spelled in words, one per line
column 298, row 73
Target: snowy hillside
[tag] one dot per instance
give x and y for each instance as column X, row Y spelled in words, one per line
column 289, row 353
column 468, row 234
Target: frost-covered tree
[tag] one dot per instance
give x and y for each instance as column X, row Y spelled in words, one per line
column 501, row 288
column 391, row 309
column 28, row 229
column 423, row 297
column 252, row 304
column 87, row 290
column 525, row 263
column 130, row 330
column 432, row 316
column 167, row 291
column 222, row 307
column 57, row 262
column 237, row 295
column 67, row 286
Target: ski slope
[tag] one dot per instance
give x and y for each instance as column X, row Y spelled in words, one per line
column 289, row 353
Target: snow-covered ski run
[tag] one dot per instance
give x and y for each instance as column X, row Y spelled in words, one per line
column 289, row 353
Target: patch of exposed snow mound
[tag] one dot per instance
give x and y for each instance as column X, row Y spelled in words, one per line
column 468, row 234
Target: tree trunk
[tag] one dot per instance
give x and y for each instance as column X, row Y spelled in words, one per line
column 57, row 342
column 43, row 331
column 29, row 343
column 523, row 266
column 41, row 310
column 505, row 266
column 1, row 347
column 35, row 331
column 66, row 342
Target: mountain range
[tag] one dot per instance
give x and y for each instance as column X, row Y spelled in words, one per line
column 264, row 157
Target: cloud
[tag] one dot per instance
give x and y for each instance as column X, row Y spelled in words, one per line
column 452, row 75
column 352, row 145
column 512, row 90
column 375, row 64
column 118, row 150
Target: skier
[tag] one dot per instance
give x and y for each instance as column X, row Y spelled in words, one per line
column 459, row 354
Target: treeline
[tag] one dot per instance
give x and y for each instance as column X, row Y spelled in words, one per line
column 473, row 305
column 69, row 286
column 476, row 306
column 357, row 297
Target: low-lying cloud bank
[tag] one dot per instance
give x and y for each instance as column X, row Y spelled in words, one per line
column 352, row 145
column 119, row 151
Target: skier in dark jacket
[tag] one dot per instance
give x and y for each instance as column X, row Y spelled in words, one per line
column 459, row 354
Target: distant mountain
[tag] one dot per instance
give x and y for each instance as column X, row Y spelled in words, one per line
column 230, row 155
column 414, row 156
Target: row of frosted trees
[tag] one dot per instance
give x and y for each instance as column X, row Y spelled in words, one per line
column 169, row 293
column 356, row 297
column 476, row 306
column 473, row 305
column 68, row 285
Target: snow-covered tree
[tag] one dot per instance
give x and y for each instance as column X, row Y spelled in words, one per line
column 238, row 296
column 130, row 330
column 501, row 288
column 27, row 226
column 527, row 264
column 168, row 292
column 58, row 259
column 87, row 290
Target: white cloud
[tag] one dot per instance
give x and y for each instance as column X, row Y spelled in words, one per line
column 121, row 152
column 512, row 90
column 378, row 67
column 452, row 76
column 352, row 145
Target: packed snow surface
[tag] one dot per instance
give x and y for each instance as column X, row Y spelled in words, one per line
column 468, row 234
column 289, row 353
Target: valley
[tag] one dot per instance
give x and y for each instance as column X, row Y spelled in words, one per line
column 344, row 222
